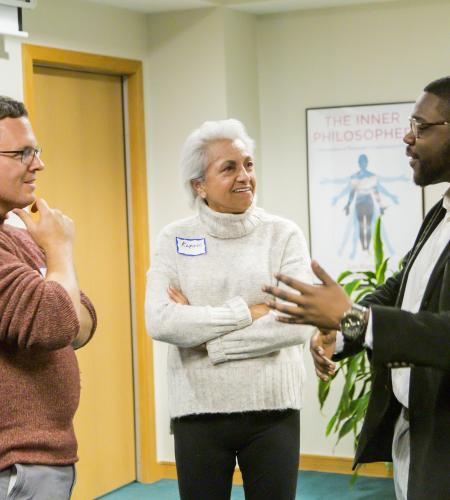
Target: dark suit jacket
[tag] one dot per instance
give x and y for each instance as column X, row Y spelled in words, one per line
column 422, row 341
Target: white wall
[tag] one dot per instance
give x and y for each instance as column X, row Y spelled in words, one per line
column 328, row 57
column 11, row 67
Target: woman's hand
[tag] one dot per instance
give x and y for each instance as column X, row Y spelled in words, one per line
column 177, row 296
column 259, row 310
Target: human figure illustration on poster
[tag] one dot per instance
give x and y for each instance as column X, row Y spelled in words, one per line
column 358, row 170
column 367, row 198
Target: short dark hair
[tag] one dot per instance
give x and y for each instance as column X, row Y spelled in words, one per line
column 441, row 89
column 10, row 108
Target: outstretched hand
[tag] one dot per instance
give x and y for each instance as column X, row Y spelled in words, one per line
column 320, row 305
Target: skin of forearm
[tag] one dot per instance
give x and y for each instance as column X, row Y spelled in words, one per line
column 85, row 328
column 60, row 268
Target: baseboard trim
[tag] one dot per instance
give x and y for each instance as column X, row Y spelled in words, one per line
column 319, row 463
column 342, row 465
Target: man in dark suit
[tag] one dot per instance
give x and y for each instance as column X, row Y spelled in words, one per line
column 405, row 325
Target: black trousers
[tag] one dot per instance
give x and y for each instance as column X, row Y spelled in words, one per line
column 266, row 445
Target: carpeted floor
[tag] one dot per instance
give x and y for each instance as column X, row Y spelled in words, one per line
column 311, row 486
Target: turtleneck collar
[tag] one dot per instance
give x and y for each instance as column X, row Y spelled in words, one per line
column 222, row 225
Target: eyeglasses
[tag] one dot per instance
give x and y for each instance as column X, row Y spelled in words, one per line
column 418, row 127
column 26, row 155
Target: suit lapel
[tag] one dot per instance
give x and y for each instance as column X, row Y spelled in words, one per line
column 444, row 302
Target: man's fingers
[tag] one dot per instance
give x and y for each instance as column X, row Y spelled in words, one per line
column 323, row 363
column 290, row 320
column 285, row 308
column 320, row 359
column 324, row 277
column 293, row 283
column 41, row 205
column 293, row 297
column 322, row 375
column 25, row 216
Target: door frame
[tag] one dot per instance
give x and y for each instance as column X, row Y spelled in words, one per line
column 147, row 466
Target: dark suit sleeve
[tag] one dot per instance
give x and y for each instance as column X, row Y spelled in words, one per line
column 421, row 339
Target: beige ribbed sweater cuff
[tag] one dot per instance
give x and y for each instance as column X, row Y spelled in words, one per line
column 243, row 316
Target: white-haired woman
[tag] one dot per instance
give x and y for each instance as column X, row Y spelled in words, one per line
column 235, row 373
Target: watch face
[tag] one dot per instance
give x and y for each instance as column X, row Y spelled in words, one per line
column 352, row 324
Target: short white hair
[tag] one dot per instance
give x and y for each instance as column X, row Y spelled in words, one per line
column 194, row 155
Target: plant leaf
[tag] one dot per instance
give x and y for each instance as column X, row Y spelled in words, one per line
column 351, row 286
column 378, row 244
column 363, row 292
column 331, row 424
column 381, row 271
column 323, row 391
column 370, row 274
column 346, row 428
column 344, row 275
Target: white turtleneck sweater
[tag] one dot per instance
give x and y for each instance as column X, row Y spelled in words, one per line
column 220, row 262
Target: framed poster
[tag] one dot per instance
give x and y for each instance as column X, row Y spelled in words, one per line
column 357, row 170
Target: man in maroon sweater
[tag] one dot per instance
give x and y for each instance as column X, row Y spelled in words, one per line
column 43, row 317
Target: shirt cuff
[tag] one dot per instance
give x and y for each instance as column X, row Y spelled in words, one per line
column 339, row 342
column 368, row 341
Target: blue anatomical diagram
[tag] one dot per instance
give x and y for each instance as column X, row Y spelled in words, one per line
column 366, row 199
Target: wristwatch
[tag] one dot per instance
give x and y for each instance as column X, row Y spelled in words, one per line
column 353, row 323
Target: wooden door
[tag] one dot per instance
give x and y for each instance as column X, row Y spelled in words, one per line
column 78, row 121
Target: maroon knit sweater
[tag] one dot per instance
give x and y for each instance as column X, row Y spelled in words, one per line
column 39, row 375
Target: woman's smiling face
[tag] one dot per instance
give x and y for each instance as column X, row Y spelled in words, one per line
column 229, row 183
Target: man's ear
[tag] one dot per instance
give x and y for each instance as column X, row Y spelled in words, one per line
column 198, row 186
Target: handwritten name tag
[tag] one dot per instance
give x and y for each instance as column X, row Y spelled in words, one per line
column 191, row 246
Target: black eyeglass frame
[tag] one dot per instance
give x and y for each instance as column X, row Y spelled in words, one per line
column 25, row 153
column 417, row 127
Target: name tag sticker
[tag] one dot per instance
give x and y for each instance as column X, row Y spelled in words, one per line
column 191, row 246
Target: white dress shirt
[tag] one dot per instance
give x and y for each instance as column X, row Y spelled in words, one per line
column 416, row 284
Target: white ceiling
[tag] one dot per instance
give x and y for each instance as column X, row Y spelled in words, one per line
column 252, row 6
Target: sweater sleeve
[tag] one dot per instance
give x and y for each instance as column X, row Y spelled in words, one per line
column 34, row 313
column 185, row 325
column 92, row 313
column 266, row 334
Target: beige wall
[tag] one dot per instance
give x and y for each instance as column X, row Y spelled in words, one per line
column 87, row 27
column 215, row 63
column 352, row 55
column 201, row 65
